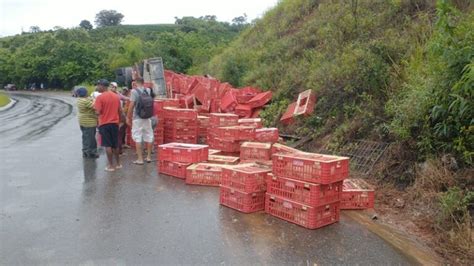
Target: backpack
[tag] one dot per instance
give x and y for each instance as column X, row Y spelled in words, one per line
column 144, row 108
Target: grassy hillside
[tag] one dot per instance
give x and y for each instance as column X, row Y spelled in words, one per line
column 4, row 99
column 396, row 71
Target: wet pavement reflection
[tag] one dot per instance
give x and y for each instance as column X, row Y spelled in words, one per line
column 58, row 208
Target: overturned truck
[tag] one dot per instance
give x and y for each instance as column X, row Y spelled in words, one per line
column 152, row 72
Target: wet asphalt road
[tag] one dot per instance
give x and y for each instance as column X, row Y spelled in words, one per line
column 57, row 208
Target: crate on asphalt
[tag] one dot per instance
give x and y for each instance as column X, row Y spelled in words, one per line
column 311, row 167
column 183, row 153
column 280, row 148
column 235, row 133
column 267, row 135
column 251, row 122
column 246, row 178
column 223, row 120
column 304, row 192
column 255, row 151
column 173, row 168
column 204, row 174
column 301, row 214
column 242, row 201
column 222, row 159
column 357, row 194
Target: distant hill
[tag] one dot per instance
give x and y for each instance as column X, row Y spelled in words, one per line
column 67, row 57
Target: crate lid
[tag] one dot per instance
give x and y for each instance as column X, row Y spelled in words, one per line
column 312, row 157
column 223, row 159
column 259, row 145
column 205, row 167
column 356, row 184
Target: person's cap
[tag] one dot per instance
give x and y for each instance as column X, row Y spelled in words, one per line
column 113, row 84
column 103, row 82
column 81, row 92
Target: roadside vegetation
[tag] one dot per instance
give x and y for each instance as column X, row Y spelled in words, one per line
column 4, row 99
column 62, row 58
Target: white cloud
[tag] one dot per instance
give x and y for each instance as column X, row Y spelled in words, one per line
column 16, row 15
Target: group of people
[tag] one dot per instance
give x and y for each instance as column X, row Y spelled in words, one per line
column 110, row 112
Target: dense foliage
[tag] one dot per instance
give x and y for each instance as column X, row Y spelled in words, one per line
column 385, row 70
column 66, row 57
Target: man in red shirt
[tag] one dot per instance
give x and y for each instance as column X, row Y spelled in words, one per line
column 107, row 106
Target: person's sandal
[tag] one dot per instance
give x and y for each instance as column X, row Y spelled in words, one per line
column 109, row 169
column 138, row 162
column 118, row 167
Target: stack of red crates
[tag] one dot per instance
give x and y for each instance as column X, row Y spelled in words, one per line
column 174, row 158
column 217, row 120
column 181, row 125
column 306, row 188
column 243, row 187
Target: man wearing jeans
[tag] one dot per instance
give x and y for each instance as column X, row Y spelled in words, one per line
column 141, row 128
column 107, row 106
column 88, row 123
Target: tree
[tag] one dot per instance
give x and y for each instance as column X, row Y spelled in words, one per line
column 240, row 20
column 35, row 29
column 85, row 24
column 108, row 18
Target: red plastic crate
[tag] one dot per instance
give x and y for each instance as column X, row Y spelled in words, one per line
column 243, row 110
column 235, row 133
column 311, row 167
column 260, row 99
column 251, row 122
column 303, row 192
column 305, row 103
column 228, row 101
column 222, row 159
column 223, row 120
column 280, row 148
column 171, row 112
column 301, row 214
column 287, row 118
column 223, row 145
column 267, row 135
column 160, row 104
column 357, row 194
column 255, row 151
column 214, row 152
column 183, row 153
column 245, row 178
column 204, row 174
column 241, row 201
column 173, row 168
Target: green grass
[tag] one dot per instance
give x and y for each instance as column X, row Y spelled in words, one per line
column 4, row 99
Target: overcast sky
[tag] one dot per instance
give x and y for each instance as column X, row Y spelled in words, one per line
column 16, row 15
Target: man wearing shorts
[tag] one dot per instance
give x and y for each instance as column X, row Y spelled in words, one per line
column 141, row 128
column 107, row 106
